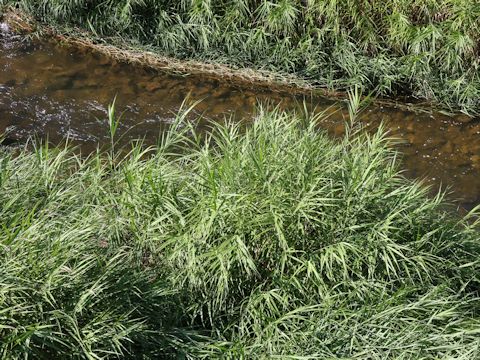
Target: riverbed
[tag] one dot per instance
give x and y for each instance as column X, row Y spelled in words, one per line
column 49, row 90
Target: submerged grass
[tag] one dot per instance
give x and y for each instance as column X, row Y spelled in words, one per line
column 269, row 242
column 427, row 49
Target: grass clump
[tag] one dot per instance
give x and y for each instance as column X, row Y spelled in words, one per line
column 427, row 49
column 267, row 242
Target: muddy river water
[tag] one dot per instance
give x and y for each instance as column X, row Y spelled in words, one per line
column 54, row 91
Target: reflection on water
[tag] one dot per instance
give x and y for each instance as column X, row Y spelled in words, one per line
column 54, row 91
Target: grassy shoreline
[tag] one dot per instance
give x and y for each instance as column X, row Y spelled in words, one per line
column 398, row 48
column 273, row 241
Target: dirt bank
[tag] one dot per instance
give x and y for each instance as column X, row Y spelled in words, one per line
column 243, row 78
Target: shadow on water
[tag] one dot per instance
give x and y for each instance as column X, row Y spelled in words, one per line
column 53, row 91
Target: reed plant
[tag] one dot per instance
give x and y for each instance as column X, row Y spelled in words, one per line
column 270, row 241
column 418, row 48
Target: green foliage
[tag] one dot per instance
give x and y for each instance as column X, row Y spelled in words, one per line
column 428, row 49
column 272, row 241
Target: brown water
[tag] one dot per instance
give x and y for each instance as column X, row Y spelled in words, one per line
column 53, row 91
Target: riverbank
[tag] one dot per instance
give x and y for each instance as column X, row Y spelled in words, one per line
column 273, row 242
column 55, row 91
column 412, row 64
column 127, row 52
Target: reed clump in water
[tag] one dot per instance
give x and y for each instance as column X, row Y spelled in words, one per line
column 428, row 49
column 274, row 241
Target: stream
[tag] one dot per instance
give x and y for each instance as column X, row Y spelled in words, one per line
column 54, row 91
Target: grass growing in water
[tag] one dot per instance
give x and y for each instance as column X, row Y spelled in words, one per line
column 428, row 49
column 273, row 242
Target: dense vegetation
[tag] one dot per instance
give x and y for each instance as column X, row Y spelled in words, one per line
column 425, row 48
column 267, row 242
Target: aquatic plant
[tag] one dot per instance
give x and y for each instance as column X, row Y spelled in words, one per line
column 273, row 241
column 425, row 49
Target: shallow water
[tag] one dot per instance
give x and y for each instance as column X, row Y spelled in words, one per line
column 53, row 91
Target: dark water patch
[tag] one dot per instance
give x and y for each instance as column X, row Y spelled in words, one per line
column 49, row 90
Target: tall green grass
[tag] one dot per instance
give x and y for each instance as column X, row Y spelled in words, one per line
column 427, row 49
column 272, row 241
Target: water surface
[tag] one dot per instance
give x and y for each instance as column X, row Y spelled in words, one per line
column 50, row 90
